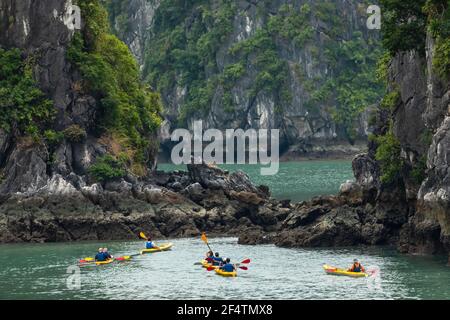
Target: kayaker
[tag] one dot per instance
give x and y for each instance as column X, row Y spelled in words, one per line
column 100, row 256
column 357, row 267
column 217, row 260
column 106, row 254
column 150, row 245
column 228, row 267
column 209, row 257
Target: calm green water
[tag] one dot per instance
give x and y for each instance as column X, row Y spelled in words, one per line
column 296, row 181
column 40, row 272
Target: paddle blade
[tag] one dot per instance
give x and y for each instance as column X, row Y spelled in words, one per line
column 124, row 258
column 372, row 271
column 88, row 259
column 143, row 236
column 204, row 238
column 243, row 268
column 246, row 261
column 211, row 268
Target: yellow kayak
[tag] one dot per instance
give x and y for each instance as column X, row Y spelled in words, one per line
column 206, row 264
column 95, row 263
column 99, row 263
column 163, row 247
column 341, row 272
column 225, row 274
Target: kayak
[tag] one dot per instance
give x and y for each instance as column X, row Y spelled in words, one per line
column 225, row 274
column 91, row 261
column 96, row 263
column 163, row 247
column 206, row 264
column 341, row 272
column 100, row 263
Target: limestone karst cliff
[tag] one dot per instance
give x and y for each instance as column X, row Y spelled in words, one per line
column 304, row 67
column 401, row 192
column 78, row 128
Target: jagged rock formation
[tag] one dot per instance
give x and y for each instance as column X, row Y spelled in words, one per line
column 396, row 199
column 305, row 113
column 48, row 195
column 179, row 204
column 40, row 31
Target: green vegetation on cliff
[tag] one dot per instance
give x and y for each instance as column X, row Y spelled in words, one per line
column 24, row 108
column 404, row 28
column 107, row 168
column 403, row 25
column 388, row 156
column 439, row 25
column 183, row 52
column 111, row 75
column 187, row 63
column 350, row 86
column 272, row 77
column 292, row 25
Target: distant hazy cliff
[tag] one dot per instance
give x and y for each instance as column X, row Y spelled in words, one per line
column 304, row 67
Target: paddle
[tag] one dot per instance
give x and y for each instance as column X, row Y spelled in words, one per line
column 214, row 268
column 205, row 240
column 246, row 261
column 85, row 261
column 143, row 236
column 372, row 272
column 124, row 258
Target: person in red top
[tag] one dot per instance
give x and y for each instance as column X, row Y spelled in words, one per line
column 209, row 257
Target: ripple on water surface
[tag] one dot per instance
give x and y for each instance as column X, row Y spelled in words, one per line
column 39, row 272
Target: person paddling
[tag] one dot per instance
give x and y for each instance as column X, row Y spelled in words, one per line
column 150, row 244
column 357, row 267
column 228, row 267
column 217, row 260
column 210, row 257
column 106, row 254
column 100, row 256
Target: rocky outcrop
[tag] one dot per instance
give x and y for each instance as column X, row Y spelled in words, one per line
column 46, row 195
column 411, row 214
column 165, row 205
column 429, row 229
column 43, row 34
